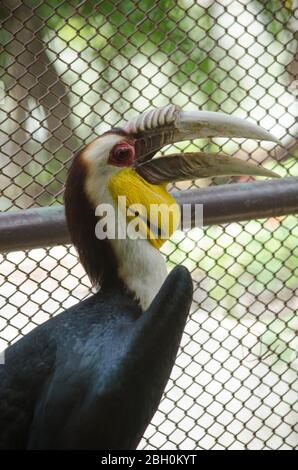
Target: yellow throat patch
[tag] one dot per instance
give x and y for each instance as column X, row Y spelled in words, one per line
column 149, row 207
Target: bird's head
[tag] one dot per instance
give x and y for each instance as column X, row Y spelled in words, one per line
column 120, row 163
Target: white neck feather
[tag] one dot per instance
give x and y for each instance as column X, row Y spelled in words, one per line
column 141, row 267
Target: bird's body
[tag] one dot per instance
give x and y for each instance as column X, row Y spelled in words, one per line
column 93, row 376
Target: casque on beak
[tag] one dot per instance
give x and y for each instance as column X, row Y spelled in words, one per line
column 162, row 126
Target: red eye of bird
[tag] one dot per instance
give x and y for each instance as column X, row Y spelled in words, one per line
column 123, row 154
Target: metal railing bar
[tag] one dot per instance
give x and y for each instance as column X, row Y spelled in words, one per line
column 46, row 226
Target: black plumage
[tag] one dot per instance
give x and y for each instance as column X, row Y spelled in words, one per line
column 92, row 377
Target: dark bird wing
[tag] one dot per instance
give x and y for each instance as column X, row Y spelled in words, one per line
column 111, row 366
column 28, row 364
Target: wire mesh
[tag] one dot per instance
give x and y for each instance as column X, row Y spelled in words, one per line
column 69, row 71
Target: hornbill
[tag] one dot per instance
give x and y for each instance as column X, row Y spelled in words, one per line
column 93, row 376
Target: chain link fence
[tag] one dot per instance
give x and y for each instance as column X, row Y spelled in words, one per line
column 68, row 72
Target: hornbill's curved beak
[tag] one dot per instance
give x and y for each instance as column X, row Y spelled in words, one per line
column 162, row 126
